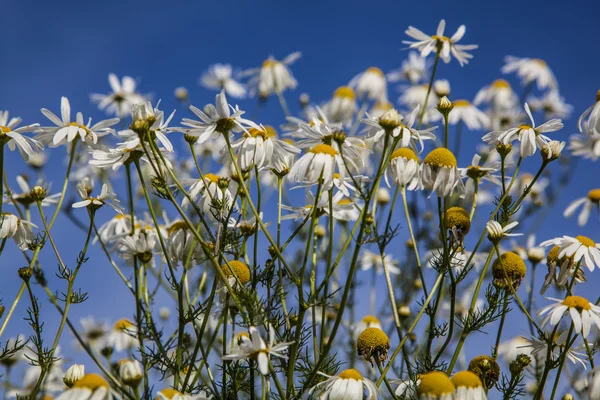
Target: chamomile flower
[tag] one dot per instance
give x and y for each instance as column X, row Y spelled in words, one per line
column 122, row 336
column 447, row 46
column 105, row 197
column 349, row 384
column 497, row 232
column 552, row 104
column 12, row 136
column 380, row 108
column 439, row 173
column 510, row 349
column 373, row 343
column 441, row 87
column 413, row 69
column 468, row 386
column 114, row 228
column 414, row 96
column 273, row 77
column 531, row 70
column 342, row 106
column 66, row 131
column 220, row 77
column 92, row 330
column 582, row 312
column 530, row 136
column 319, row 162
column 370, row 84
column 479, row 173
column 90, row 387
column 586, row 204
column 509, row 269
column 181, row 241
column 368, row 321
column 499, row 95
column 150, row 121
column 141, row 245
column 18, row 229
column 586, row 144
column 208, row 192
column 27, row 197
column 456, row 219
column 593, row 384
column 172, row 394
column 371, row 260
column 122, row 98
column 539, row 349
column 344, row 209
column 257, row 146
column 467, row 113
column 435, row 385
column 258, row 349
column 579, row 247
column 404, row 168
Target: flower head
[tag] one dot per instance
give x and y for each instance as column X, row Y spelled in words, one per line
column 440, row 173
column 435, row 385
column 509, row 268
column 349, row 384
column 12, row 136
column 373, row 342
column 582, row 312
column 94, row 203
column 531, row 70
column 220, row 77
column 122, row 98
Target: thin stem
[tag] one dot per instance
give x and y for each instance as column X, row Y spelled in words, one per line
column 435, row 64
column 65, row 184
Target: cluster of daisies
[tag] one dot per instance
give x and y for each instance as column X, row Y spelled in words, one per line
column 348, row 154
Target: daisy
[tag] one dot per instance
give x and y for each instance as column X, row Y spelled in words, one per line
column 208, row 193
column 90, row 387
column 392, row 123
column 404, row 168
column 92, row 331
column 122, row 98
column 181, row 241
column 468, row 386
column 509, row 269
column 413, row 69
column 274, row 76
column 438, row 42
column 18, row 229
column 257, row 146
column 539, row 349
column 483, row 172
column 141, row 245
column 590, row 201
column 66, row 131
column 439, row 173
column 257, row 349
column 122, row 336
column 441, row 87
column 586, row 143
column 370, row 84
column 73, row 374
column 510, row 349
column 535, row 254
column 370, row 260
column 343, row 208
column 530, row 136
column 149, row 122
column 593, row 384
column 578, row 247
column 435, row 385
column 105, row 197
column 181, row 94
column 468, row 114
column 582, row 313
column 318, row 163
column 26, row 197
column 591, row 115
column 552, row 104
column 11, row 135
column 114, row 228
column 216, row 120
column 531, row 70
column 220, row 77
column 497, row 232
column 349, row 384
column 499, row 95
column 380, row 108
column 414, row 96
column 342, row 106
column 368, row 321
column 172, row 394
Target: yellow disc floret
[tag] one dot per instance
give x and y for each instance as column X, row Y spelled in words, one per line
column 370, row 319
column 375, row 70
column 441, row 157
column 577, row 302
column 500, row 84
column 373, row 342
column 405, row 152
column 458, row 217
column 345, row 92
column 169, row 393
column 487, row 369
column 4, row 129
column 240, row 269
column 211, row 178
column 586, row 241
column 466, row 379
column 124, row 324
column 91, row 382
column 323, row 148
column 351, row 374
column 435, row 383
column 594, row 195
column 509, row 264
column 461, row 103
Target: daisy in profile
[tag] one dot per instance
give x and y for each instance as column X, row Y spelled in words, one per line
column 114, row 228
column 404, row 169
column 66, row 130
column 12, row 136
column 181, row 242
column 539, row 349
column 122, row 98
column 435, row 385
column 498, row 94
column 380, row 108
column 447, row 46
column 172, row 394
column 141, row 245
column 510, row 349
column 122, row 336
column 27, row 196
column 220, row 77
column 586, row 143
column 257, row 146
column 370, row 84
column 208, row 192
column 552, row 104
column 371, row 260
column 18, row 229
column 586, row 204
column 497, row 232
column 92, row 330
column 342, row 106
column 273, row 77
column 440, row 174
column 531, row 70
column 154, row 124
column 319, row 162
column 468, row 386
column 530, row 137
column 582, row 312
column 579, row 247
column 468, row 114
column 413, row 70
column 105, row 197
column 368, row 321
column 258, row 349
column 348, row 384
column 90, row 387
column 344, row 209
column 414, row 96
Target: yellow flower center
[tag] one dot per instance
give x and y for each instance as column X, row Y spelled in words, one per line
column 435, row 383
column 577, row 302
column 350, row 374
column 461, row 103
column 466, row 379
column 441, row 157
column 594, row 195
column 211, row 178
column 524, row 127
column 376, row 71
column 500, row 84
column 511, row 263
column 370, row 319
column 271, row 131
column 373, row 338
column 458, row 217
column 270, row 63
column 540, row 62
column 124, row 324
column 405, row 152
column 91, row 381
column 241, row 335
column 4, row 129
column 383, row 106
column 79, row 126
column 176, row 226
column 169, row 393
column 344, row 92
column 324, row 149
column 253, row 132
column 441, row 38
column 240, row 269
column 586, row 241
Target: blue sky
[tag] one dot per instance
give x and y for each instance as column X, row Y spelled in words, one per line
column 69, row 47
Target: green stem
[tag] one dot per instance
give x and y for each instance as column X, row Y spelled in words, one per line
column 435, row 64
column 65, row 184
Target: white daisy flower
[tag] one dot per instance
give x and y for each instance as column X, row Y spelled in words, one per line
column 439, row 173
column 344, row 209
column 468, row 386
column 586, row 143
column 578, row 247
column 499, row 95
column 342, row 106
column 180, row 242
column 371, row 260
column 552, row 104
column 582, row 312
column 319, row 162
column 496, row 232
column 114, row 228
column 370, row 84
column 380, row 108
column 122, row 98
column 539, row 349
column 586, row 204
column 66, row 131
column 435, row 385
column 172, row 394
column 368, row 321
column 220, row 77
column 413, row 69
column 349, row 384
column 510, row 349
column 531, row 70
column 483, row 172
column 141, row 245
column 404, row 168
column 73, row 374
column 448, row 46
column 257, row 349
column 24, row 198
column 468, row 114
column 530, row 136
column 273, row 77
column 593, row 384
column 414, row 96
column 144, row 113
column 105, row 197
column 257, row 148
column 12, row 136
column 441, row 87
column 90, row 387
column 18, row 229
column 207, row 193
column 92, row 331
column 122, row 336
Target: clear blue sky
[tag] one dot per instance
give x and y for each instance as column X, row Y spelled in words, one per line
column 67, row 48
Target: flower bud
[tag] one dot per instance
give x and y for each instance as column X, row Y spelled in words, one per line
column 339, row 137
column 445, row 106
column 190, row 139
column 552, row 150
column 383, row 196
column 164, row 313
column 73, row 374
column 441, row 87
column 2, row 308
column 320, row 231
column 181, row 94
column 304, row 100
column 390, row 120
column 504, row 149
column 38, row 193
column 130, row 372
column 25, row 273
column 568, row 396
column 223, row 183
